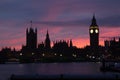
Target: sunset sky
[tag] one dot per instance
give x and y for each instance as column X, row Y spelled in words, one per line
column 65, row 19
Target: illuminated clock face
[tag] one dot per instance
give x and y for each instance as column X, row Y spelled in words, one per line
column 96, row 31
column 91, row 31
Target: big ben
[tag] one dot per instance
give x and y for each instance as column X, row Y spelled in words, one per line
column 94, row 34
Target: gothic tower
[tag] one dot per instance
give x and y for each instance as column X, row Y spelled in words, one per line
column 31, row 38
column 71, row 44
column 47, row 41
column 94, row 33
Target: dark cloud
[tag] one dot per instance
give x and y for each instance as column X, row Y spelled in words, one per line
column 68, row 14
column 63, row 23
column 110, row 21
column 73, row 10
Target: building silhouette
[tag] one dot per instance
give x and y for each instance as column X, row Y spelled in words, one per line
column 62, row 50
column 47, row 42
column 94, row 38
column 112, row 46
column 71, row 44
column 28, row 51
column 94, row 33
column 31, row 38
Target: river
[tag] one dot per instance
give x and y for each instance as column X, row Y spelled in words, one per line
column 83, row 68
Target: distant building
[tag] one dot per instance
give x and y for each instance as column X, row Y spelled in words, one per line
column 71, row 44
column 47, row 42
column 113, row 46
column 94, row 33
column 41, row 45
column 106, row 44
column 112, row 42
column 31, row 38
column 62, row 47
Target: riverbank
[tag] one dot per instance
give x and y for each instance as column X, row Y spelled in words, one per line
column 64, row 76
column 49, row 60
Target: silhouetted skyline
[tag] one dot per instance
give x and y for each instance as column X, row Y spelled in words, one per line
column 62, row 50
column 68, row 19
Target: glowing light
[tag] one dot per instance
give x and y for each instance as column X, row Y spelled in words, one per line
column 74, row 55
column 60, row 54
column 93, row 57
column 20, row 54
column 55, row 54
column 91, row 31
column 87, row 55
column 33, row 53
column 43, row 54
column 96, row 30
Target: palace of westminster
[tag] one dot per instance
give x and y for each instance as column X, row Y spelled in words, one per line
column 62, row 48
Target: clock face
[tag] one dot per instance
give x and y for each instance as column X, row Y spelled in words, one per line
column 96, row 31
column 91, row 31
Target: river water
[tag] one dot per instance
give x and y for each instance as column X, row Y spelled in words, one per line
column 83, row 68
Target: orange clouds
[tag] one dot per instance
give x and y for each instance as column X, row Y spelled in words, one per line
column 80, row 42
column 107, row 32
column 13, row 43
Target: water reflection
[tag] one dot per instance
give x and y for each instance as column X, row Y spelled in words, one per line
column 50, row 69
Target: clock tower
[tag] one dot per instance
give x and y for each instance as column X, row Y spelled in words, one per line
column 94, row 34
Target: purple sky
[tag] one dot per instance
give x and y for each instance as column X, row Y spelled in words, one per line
column 65, row 19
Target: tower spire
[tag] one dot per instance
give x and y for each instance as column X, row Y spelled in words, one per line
column 31, row 23
column 94, row 34
column 71, row 45
column 94, row 23
column 47, row 32
column 47, row 41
